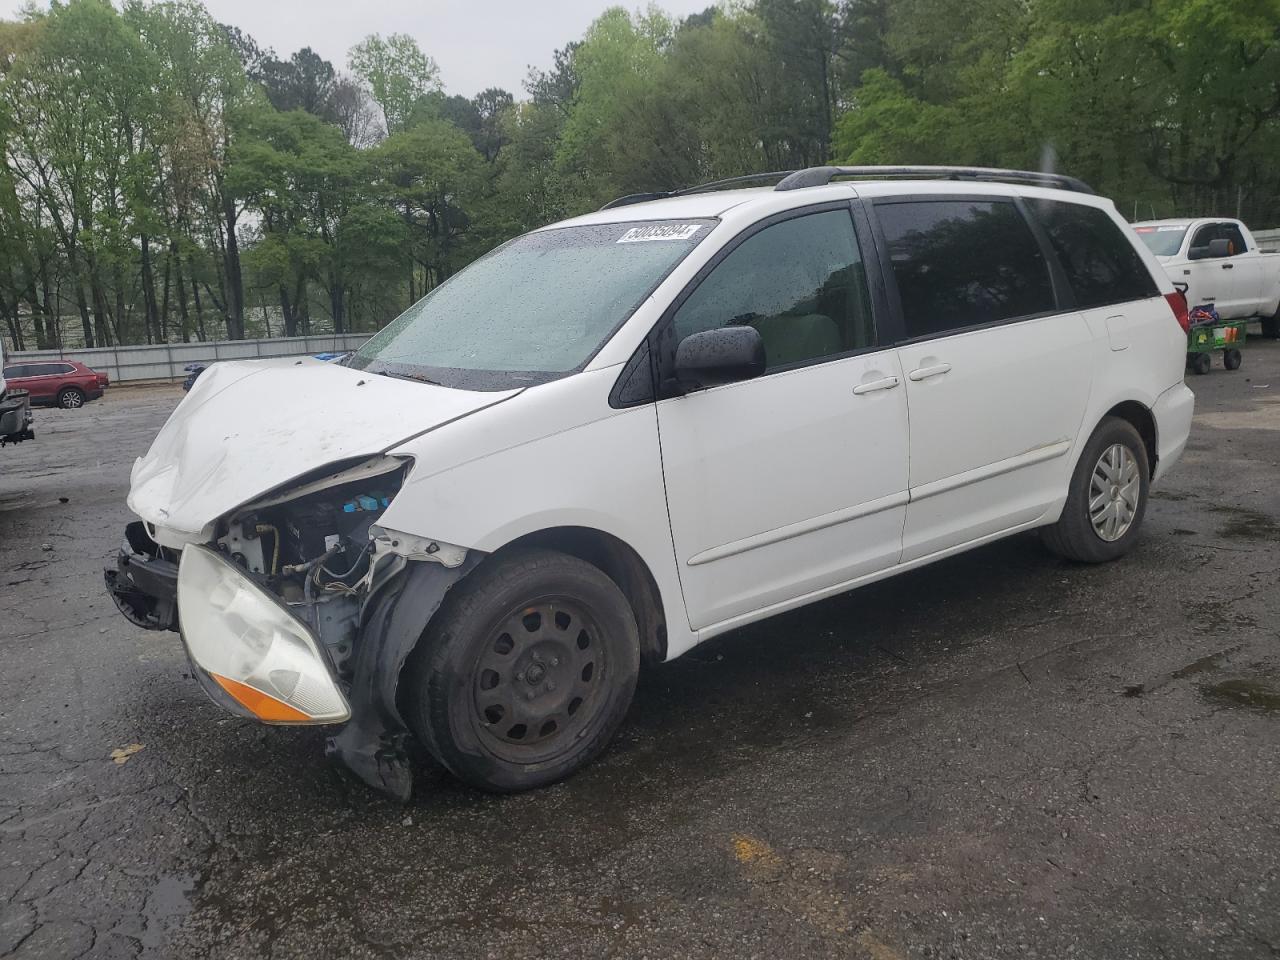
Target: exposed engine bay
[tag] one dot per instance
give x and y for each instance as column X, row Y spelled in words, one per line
column 364, row 593
column 315, row 551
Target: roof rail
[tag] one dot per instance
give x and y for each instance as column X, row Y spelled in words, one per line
column 700, row 188
column 631, row 198
column 820, row 176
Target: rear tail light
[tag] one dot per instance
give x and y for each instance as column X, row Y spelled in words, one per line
column 1178, row 304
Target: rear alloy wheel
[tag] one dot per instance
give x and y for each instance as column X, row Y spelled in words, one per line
column 526, row 672
column 1107, row 499
column 71, row 398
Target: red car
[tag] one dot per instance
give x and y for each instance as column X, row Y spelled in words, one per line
column 66, row 383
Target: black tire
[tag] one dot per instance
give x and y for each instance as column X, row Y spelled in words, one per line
column 1271, row 327
column 1074, row 536
column 532, row 639
column 1201, row 363
column 1232, row 359
column 71, row 398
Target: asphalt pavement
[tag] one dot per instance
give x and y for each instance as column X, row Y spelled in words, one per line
column 1002, row 755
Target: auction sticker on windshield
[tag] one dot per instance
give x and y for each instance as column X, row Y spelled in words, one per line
column 660, row 231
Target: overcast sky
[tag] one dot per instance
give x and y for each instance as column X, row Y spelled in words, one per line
column 477, row 43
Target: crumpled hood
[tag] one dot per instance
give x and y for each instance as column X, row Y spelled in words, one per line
column 250, row 426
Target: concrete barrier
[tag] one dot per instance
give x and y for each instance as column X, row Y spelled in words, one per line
column 165, row 361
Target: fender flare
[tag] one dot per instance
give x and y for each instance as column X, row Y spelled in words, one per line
column 372, row 744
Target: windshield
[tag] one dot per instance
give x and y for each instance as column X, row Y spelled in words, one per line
column 534, row 309
column 1162, row 241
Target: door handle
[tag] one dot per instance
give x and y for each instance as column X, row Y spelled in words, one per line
column 887, row 383
column 1228, row 266
column 924, row 373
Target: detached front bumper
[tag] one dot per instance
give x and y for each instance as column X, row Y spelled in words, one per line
column 251, row 654
column 256, row 658
column 144, row 583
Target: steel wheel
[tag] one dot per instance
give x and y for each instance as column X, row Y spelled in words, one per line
column 1113, row 492
column 536, row 684
column 71, row 399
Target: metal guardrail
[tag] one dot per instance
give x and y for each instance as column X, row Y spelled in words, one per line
column 165, row 361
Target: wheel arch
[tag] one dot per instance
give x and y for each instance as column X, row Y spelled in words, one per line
column 620, row 563
column 1144, row 421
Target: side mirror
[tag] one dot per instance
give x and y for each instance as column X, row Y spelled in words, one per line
column 724, row 355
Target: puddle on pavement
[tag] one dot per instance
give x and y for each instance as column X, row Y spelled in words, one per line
column 167, row 904
column 1247, row 524
column 1251, row 694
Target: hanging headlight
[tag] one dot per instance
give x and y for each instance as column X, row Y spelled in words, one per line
column 263, row 656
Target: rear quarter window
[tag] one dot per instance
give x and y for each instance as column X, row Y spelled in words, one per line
column 1100, row 262
column 961, row 263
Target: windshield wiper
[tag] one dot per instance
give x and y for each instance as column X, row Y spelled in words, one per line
column 416, row 377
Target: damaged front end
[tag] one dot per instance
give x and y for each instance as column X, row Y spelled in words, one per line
column 302, row 609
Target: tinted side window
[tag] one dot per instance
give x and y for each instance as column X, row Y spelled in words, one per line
column 43, row 369
column 959, row 263
column 801, row 283
column 1231, row 233
column 14, row 372
column 1100, row 261
column 1200, row 240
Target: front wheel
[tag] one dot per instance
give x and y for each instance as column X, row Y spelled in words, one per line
column 526, row 672
column 1232, row 358
column 71, row 398
column 1107, row 498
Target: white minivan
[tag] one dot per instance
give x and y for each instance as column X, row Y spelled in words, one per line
column 618, row 436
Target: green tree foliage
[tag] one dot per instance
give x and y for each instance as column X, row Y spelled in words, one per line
column 166, row 177
column 398, row 74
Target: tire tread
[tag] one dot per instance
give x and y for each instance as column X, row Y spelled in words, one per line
column 429, row 666
column 1072, row 537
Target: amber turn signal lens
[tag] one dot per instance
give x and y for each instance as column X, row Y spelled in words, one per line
column 261, row 705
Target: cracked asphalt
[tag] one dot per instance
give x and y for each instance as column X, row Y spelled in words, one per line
column 1002, row 755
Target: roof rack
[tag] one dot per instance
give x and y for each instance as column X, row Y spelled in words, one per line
column 820, row 176
column 700, row 188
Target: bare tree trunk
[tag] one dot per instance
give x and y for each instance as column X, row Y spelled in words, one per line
column 195, row 293
column 164, row 304
column 151, row 318
column 100, row 310
column 85, row 323
column 235, row 281
column 286, row 309
column 336, row 305
column 182, row 291
column 11, row 320
column 37, row 315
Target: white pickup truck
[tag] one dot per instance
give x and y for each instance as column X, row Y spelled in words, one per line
column 1221, row 263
